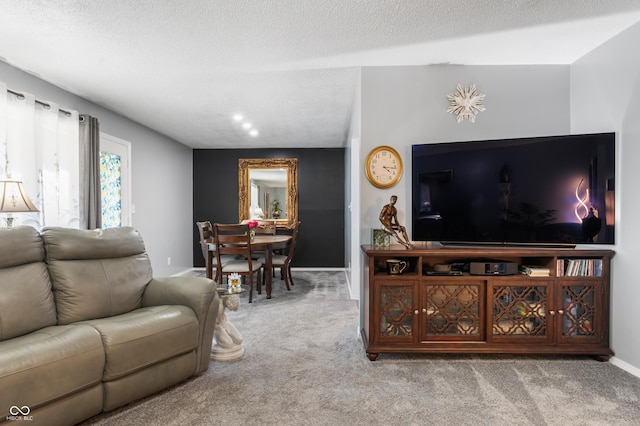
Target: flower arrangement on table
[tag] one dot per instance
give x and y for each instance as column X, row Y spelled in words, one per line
column 253, row 224
column 276, row 209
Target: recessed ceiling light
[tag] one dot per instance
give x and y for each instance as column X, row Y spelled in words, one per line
column 239, row 118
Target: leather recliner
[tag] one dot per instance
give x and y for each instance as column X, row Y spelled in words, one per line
column 85, row 328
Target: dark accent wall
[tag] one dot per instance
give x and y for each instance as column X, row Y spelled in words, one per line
column 321, row 198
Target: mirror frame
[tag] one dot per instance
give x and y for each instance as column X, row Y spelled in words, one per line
column 244, row 191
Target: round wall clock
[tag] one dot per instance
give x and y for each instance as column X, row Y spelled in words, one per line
column 383, row 167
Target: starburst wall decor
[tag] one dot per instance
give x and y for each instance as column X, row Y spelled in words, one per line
column 466, row 102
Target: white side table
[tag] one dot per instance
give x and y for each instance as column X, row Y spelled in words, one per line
column 227, row 341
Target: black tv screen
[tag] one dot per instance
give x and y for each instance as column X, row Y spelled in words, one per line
column 551, row 191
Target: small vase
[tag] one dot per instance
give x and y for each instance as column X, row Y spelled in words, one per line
column 252, row 234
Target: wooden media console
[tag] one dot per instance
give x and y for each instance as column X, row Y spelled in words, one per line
column 426, row 311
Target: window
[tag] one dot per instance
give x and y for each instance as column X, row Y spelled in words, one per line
column 115, row 181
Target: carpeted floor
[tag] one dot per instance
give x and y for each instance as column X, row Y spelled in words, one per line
column 305, row 365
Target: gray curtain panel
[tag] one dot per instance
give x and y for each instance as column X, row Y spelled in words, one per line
column 90, row 197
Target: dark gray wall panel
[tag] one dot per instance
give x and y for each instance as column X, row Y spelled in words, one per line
column 321, row 177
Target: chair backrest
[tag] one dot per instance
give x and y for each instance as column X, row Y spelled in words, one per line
column 294, row 240
column 206, row 237
column 232, row 239
column 266, row 227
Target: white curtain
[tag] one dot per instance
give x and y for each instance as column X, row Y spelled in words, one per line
column 39, row 145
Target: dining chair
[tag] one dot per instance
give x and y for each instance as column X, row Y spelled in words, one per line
column 234, row 240
column 284, row 261
column 266, row 227
column 206, row 237
column 207, row 242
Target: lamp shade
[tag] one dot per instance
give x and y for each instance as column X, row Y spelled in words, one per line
column 13, row 198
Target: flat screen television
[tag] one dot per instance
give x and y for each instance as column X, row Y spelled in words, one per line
column 550, row 191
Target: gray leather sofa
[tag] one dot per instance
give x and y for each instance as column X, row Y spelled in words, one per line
column 85, row 328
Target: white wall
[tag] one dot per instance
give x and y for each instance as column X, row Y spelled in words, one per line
column 162, row 181
column 402, row 106
column 605, row 96
column 352, row 198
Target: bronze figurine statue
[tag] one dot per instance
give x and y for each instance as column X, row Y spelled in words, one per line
column 389, row 218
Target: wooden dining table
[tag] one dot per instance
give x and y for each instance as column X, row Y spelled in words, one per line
column 261, row 242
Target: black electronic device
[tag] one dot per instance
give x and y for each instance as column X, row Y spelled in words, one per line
column 493, row 267
column 515, row 192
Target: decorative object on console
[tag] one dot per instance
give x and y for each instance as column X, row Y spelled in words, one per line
column 396, row 266
column 442, row 267
column 380, row 238
column 383, row 167
column 389, row 218
column 14, row 199
column 466, row 102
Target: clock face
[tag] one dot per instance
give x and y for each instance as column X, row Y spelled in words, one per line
column 384, row 167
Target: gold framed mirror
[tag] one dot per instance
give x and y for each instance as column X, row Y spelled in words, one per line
column 268, row 190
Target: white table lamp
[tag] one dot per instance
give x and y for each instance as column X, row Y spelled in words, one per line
column 14, row 199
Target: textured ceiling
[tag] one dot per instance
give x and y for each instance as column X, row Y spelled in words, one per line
column 185, row 67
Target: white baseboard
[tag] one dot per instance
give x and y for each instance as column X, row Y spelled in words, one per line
column 625, row 366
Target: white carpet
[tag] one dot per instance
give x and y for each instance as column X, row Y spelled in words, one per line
column 304, row 365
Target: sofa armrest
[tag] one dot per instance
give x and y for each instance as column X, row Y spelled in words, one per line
column 197, row 293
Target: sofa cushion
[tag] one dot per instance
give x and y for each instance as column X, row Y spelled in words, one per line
column 96, row 273
column 146, row 336
column 148, row 381
column 26, row 300
column 20, row 246
column 49, row 364
column 81, row 244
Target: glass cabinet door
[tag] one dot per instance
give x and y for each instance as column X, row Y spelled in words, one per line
column 580, row 311
column 395, row 301
column 519, row 312
column 453, row 311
